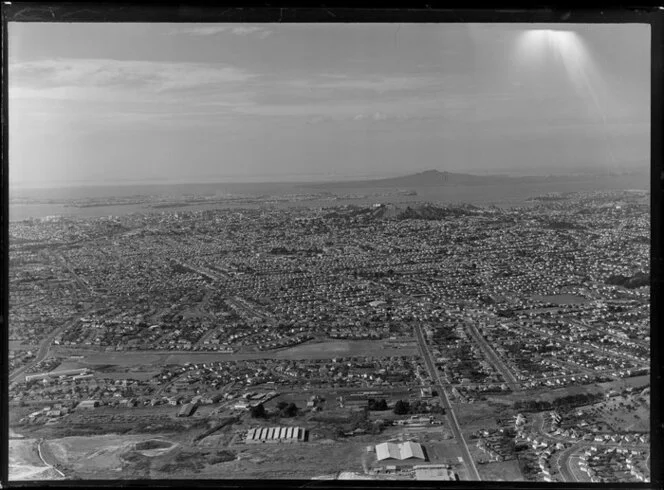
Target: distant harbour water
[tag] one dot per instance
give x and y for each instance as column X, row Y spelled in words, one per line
column 41, row 203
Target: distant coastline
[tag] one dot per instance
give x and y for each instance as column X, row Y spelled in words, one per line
column 322, row 179
column 121, row 200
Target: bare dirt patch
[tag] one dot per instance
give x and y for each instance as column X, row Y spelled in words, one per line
column 25, row 463
column 99, row 457
column 154, row 447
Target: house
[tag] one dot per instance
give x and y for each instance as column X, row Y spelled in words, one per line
column 426, row 392
column 88, row 404
column 174, row 400
column 187, row 410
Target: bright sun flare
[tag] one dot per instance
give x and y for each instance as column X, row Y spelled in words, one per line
column 538, row 49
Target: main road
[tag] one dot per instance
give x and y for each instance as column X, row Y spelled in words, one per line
column 493, row 358
column 563, row 463
column 442, row 393
column 82, row 282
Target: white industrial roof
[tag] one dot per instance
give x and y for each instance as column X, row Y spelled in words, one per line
column 387, row 450
column 404, row 450
column 411, row 450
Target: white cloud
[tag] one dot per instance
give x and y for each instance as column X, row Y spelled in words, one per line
column 72, row 77
column 160, row 92
column 203, row 30
column 376, row 116
column 317, row 119
column 214, row 29
column 383, row 84
column 97, row 94
column 244, row 30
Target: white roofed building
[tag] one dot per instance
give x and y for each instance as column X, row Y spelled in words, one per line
column 399, row 451
column 284, row 434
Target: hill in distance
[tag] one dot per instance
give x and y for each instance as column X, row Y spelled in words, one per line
column 403, row 211
column 428, row 178
column 436, row 178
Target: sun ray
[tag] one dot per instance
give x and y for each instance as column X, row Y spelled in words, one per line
column 538, row 50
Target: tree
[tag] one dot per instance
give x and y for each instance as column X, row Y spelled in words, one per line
column 401, row 407
column 290, row 410
column 418, row 407
column 376, row 428
column 377, row 405
column 437, row 409
column 282, row 405
column 258, row 412
column 360, row 420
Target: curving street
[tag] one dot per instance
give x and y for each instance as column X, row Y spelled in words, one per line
column 45, row 346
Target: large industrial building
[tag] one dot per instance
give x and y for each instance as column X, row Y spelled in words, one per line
column 57, row 374
column 399, row 451
column 258, row 435
column 88, row 404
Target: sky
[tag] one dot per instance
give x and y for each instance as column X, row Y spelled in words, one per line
column 95, row 103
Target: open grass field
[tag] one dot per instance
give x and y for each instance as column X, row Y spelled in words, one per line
column 630, row 413
column 500, row 471
column 637, row 420
column 387, row 392
column 17, row 345
column 304, row 460
column 344, row 348
column 442, row 452
column 547, row 394
column 479, row 415
column 620, row 384
column 560, row 299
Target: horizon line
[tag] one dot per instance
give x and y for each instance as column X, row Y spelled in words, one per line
column 504, row 172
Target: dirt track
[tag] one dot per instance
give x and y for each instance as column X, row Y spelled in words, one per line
column 25, row 464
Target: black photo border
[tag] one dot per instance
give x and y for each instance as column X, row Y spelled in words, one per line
column 13, row 12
